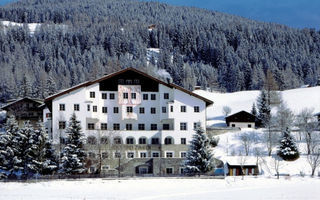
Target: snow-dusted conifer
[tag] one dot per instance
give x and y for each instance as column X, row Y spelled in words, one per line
column 264, row 108
column 288, row 149
column 254, row 110
column 6, row 147
column 199, row 157
column 73, row 158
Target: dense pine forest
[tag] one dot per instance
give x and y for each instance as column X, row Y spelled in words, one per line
column 79, row 40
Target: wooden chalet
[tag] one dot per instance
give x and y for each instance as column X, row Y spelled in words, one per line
column 25, row 109
column 241, row 119
column 241, row 165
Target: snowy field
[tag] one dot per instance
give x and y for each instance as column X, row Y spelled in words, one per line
column 296, row 99
column 160, row 188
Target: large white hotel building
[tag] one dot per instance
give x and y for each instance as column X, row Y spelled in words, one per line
column 132, row 122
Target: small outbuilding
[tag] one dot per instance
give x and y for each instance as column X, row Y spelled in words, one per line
column 241, row 165
column 241, row 119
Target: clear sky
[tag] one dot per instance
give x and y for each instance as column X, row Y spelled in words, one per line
column 294, row 13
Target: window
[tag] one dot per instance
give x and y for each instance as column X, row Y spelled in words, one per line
column 136, row 81
column 104, row 140
column 104, row 109
column 182, row 170
column 155, row 154
column 92, row 95
column 111, row 96
column 130, row 140
column 153, row 96
column 169, row 170
column 121, row 81
column 115, row 109
column 141, row 126
column 62, row 107
column 94, row 108
column 141, row 110
column 91, row 126
column 142, row 140
column 62, row 124
column 76, row 107
column 104, row 155
column 129, row 82
column 88, row 107
column 91, row 155
column 169, row 154
column 249, row 125
column 154, row 127
column 183, row 126
column 233, row 125
column 195, row 125
column 143, row 154
column 183, row 141
column 129, row 109
column 91, row 140
column 116, row 126
column 165, row 126
column 164, row 109
column 117, row 140
column 166, row 95
column 48, row 115
column 128, row 127
column 117, row 155
column 105, row 167
column 196, row 109
column 104, row 126
column 171, row 108
column 155, row 141
column 168, row 140
column 183, row 154
column 104, row 95
column 133, row 95
column 130, row 154
column 183, row 109
column 125, row 95
column 153, row 110
column 145, row 96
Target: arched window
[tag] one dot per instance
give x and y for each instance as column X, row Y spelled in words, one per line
column 130, row 140
column 117, row 140
column 104, row 140
column 91, row 140
column 142, row 140
column 168, row 140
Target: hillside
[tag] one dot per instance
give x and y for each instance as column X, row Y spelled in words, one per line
column 296, row 100
column 197, row 46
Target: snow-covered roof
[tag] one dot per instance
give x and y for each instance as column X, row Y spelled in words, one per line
column 241, row 160
column 15, row 101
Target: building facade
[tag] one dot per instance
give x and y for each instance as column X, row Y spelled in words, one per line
column 133, row 123
column 25, row 109
column 241, row 119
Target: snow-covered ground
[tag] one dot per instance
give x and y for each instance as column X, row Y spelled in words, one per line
column 296, row 100
column 169, row 188
column 33, row 27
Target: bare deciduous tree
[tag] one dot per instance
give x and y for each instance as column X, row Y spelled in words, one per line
column 226, row 110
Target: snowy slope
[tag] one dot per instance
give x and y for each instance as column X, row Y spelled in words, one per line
column 33, row 27
column 296, row 99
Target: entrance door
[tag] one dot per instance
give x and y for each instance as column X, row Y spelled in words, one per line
column 143, row 170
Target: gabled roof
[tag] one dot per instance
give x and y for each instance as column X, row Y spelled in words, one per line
column 242, row 115
column 317, row 114
column 88, row 83
column 39, row 101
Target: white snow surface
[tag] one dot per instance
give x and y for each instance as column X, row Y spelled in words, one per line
column 32, row 26
column 165, row 188
column 296, row 100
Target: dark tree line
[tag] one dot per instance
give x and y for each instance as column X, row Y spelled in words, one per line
column 84, row 39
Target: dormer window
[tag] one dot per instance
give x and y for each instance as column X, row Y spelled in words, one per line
column 129, row 82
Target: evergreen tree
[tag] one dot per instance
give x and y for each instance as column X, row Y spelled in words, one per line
column 51, row 87
column 254, row 110
column 73, row 158
column 6, row 147
column 288, row 149
column 264, row 108
column 199, row 156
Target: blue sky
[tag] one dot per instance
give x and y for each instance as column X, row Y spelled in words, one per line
column 294, row 13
